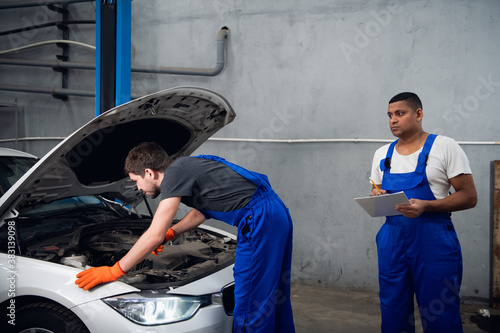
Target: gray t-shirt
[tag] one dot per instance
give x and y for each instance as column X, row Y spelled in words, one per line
column 206, row 184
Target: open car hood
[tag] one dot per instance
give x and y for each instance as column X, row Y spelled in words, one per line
column 90, row 161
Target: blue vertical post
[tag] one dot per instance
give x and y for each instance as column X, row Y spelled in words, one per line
column 123, row 49
column 113, row 59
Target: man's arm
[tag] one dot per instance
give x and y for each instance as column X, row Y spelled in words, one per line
column 192, row 220
column 464, row 197
column 150, row 240
column 154, row 235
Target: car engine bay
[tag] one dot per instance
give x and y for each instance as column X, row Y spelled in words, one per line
column 189, row 257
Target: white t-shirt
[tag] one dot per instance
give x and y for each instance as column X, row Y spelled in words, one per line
column 446, row 160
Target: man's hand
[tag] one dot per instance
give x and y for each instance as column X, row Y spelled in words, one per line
column 168, row 237
column 93, row 276
column 414, row 209
column 377, row 192
column 158, row 250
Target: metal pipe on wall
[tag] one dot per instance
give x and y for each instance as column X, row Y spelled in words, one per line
column 353, row 140
column 47, row 63
column 221, row 45
column 45, row 25
column 39, row 138
column 289, row 141
column 52, row 91
column 221, row 60
column 35, row 3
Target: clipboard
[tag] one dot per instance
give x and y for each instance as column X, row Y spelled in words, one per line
column 383, row 204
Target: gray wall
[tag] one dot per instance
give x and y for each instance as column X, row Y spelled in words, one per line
column 307, row 70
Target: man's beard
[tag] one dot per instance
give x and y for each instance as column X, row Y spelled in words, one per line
column 154, row 195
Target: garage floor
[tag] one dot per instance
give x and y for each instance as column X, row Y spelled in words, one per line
column 318, row 309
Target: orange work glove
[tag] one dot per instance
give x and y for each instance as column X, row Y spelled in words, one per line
column 168, row 237
column 96, row 275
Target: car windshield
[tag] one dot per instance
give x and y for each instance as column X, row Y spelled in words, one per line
column 11, row 169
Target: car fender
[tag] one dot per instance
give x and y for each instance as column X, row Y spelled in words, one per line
column 32, row 277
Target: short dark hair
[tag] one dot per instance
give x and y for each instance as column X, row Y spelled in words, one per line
column 411, row 99
column 146, row 155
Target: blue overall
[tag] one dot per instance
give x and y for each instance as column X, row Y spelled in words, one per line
column 420, row 256
column 263, row 258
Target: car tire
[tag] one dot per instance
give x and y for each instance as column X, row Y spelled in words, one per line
column 47, row 317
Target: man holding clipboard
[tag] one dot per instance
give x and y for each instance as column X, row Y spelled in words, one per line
column 418, row 250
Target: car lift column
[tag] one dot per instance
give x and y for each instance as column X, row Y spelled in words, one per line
column 112, row 57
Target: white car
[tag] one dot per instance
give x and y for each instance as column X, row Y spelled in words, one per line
column 76, row 209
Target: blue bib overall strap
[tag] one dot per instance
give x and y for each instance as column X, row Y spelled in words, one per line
column 420, row 256
column 415, row 184
column 235, row 216
column 263, row 257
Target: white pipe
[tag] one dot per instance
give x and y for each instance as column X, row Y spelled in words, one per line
column 57, row 41
column 354, row 140
column 299, row 140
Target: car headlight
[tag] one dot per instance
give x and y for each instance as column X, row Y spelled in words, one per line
column 156, row 310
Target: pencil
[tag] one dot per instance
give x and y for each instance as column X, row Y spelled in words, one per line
column 375, row 186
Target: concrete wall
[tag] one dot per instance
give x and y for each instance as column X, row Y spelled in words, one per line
column 311, row 70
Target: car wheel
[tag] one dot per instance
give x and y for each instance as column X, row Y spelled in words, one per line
column 46, row 317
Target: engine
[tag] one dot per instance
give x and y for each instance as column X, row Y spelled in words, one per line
column 188, row 257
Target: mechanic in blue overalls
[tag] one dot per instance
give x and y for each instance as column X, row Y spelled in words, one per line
column 418, row 251
column 216, row 188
